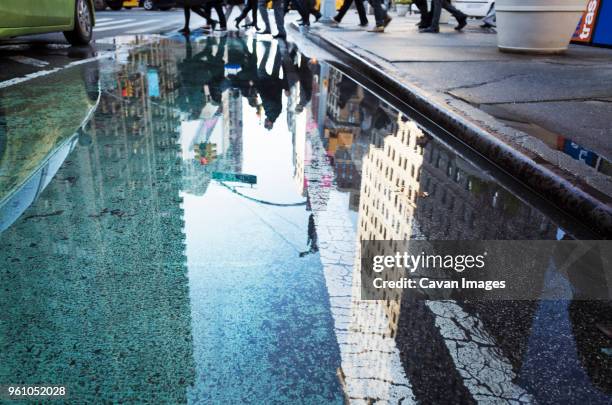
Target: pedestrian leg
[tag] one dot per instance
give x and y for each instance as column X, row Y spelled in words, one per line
column 361, row 11
column 253, row 6
column 218, row 6
column 346, row 5
column 187, row 14
column 380, row 14
column 436, row 10
column 425, row 14
column 279, row 17
column 264, row 16
column 459, row 16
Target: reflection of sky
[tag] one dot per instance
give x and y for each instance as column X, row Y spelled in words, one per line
column 268, row 154
column 261, row 324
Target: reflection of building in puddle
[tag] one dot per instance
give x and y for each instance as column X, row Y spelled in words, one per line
column 297, row 123
column 370, row 362
column 104, row 284
column 390, row 209
column 411, row 187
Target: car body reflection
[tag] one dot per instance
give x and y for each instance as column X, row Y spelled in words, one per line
column 37, row 133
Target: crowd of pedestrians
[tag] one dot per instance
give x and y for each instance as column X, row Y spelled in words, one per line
column 429, row 21
column 204, row 8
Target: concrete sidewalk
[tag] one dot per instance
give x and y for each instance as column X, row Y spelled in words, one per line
column 554, row 109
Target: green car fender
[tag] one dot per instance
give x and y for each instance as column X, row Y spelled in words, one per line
column 17, row 18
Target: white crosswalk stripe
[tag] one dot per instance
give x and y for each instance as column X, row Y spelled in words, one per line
column 114, row 22
column 99, row 20
column 163, row 27
column 127, row 26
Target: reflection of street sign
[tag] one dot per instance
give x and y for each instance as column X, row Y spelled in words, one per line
column 235, row 177
column 232, row 69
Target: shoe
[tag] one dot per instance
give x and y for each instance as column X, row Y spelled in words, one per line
column 247, row 26
column 280, row 36
column 378, row 28
column 462, row 22
column 184, row 30
column 237, row 22
column 431, row 30
column 222, row 28
column 387, row 21
column 318, row 17
column 264, row 32
column 486, row 25
column 304, row 24
column 364, row 24
column 210, row 26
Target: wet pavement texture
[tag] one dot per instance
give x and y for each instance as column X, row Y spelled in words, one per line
column 180, row 224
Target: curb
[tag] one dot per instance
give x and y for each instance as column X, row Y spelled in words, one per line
column 522, row 165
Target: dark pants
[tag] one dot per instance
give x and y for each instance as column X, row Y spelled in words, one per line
column 218, row 6
column 425, row 15
column 305, row 8
column 199, row 11
column 252, row 7
column 380, row 13
column 437, row 6
column 279, row 15
column 363, row 18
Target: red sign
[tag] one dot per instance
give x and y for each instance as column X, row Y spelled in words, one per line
column 586, row 26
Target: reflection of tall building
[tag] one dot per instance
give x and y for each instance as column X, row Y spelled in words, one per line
column 413, row 187
column 104, row 283
column 232, row 105
column 344, row 141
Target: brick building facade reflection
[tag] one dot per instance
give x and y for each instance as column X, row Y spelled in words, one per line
column 413, row 187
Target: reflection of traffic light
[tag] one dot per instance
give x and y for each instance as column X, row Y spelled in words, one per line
column 206, row 152
column 127, row 89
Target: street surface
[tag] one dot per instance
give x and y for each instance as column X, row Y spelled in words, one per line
column 28, row 55
column 181, row 222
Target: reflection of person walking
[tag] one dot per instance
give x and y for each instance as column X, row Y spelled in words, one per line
column 312, row 237
column 381, row 16
column 436, row 11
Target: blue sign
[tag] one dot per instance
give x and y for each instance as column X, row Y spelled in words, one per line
column 153, row 82
column 579, row 153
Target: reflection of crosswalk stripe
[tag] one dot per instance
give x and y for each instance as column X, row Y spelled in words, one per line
column 29, row 61
column 114, row 27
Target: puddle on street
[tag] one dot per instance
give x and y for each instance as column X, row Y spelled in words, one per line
column 189, row 235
